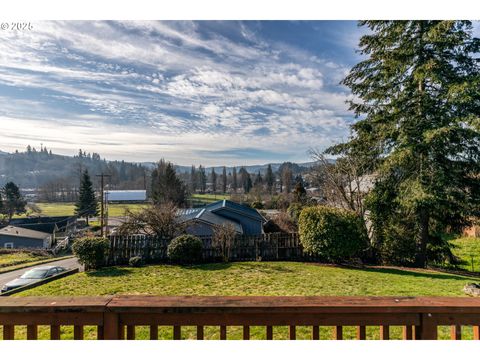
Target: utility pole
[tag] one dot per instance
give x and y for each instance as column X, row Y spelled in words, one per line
column 102, row 177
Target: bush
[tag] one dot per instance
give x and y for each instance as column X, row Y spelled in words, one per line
column 332, row 234
column 135, row 261
column 294, row 211
column 185, row 249
column 91, row 251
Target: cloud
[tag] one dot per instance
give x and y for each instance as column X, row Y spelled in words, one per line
column 182, row 90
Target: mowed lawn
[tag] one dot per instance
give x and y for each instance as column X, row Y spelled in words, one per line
column 467, row 249
column 11, row 260
column 257, row 278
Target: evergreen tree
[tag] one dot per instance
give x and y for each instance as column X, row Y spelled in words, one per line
column 166, row 186
column 245, row 180
column 224, row 180
column 193, row 179
column 258, row 179
column 234, row 180
column 202, row 179
column 13, row 202
column 214, row 180
column 87, row 204
column 419, row 130
column 269, row 178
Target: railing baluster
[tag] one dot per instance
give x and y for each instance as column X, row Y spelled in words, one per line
column 338, row 332
column 130, row 332
column 246, row 332
column 199, row 332
column 384, row 332
column 223, row 332
column 177, row 332
column 407, row 332
column 361, row 332
column 54, row 332
column 78, row 332
column 293, row 332
column 153, row 332
column 269, row 332
column 476, row 332
column 32, row 332
column 100, row 332
column 456, row 332
column 315, row 332
column 8, row 332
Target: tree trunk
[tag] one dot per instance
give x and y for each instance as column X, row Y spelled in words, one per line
column 422, row 240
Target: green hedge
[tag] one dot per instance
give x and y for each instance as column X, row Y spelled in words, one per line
column 332, row 234
column 185, row 249
column 91, row 251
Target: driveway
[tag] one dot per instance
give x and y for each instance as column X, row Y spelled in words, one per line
column 70, row 263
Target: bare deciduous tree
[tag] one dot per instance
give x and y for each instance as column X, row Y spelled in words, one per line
column 344, row 183
column 224, row 238
column 160, row 220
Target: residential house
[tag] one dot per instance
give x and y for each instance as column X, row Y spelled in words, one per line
column 203, row 221
column 12, row 237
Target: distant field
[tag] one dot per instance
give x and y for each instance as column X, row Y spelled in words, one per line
column 68, row 209
column 209, row 198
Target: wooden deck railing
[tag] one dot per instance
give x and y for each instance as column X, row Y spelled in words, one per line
column 419, row 317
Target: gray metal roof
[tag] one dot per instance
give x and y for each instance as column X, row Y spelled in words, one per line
column 21, row 232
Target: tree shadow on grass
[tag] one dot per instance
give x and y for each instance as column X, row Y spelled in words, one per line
column 109, row 272
column 416, row 273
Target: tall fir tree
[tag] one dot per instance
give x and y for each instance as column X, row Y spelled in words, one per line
column 167, row 186
column 224, row 180
column 270, row 178
column 234, row 179
column 214, row 180
column 193, row 179
column 418, row 129
column 87, row 204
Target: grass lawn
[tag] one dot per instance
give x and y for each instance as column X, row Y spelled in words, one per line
column 68, row 209
column 11, row 259
column 209, row 198
column 257, row 278
column 468, row 250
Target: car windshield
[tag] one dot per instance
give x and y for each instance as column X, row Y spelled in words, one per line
column 34, row 274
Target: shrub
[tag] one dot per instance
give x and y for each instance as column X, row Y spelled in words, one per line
column 294, row 211
column 91, row 251
column 281, row 222
column 185, row 249
column 332, row 234
column 135, row 261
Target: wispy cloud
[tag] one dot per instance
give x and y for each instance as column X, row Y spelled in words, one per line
column 192, row 92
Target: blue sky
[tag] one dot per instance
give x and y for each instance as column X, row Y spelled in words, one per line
column 192, row 92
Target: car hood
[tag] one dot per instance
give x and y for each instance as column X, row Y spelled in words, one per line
column 20, row 282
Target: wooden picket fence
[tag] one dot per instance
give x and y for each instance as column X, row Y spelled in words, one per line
column 264, row 247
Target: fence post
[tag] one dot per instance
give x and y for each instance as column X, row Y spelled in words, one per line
column 427, row 330
column 111, row 326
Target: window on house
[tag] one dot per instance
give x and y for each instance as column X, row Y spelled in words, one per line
column 8, row 245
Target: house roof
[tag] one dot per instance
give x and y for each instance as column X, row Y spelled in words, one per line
column 212, row 214
column 238, row 208
column 206, row 216
column 21, row 232
column 47, row 224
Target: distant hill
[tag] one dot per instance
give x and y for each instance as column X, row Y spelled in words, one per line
column 34, row 169
column 250, row 168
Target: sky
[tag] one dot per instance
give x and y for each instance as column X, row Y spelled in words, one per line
column 208, row 92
